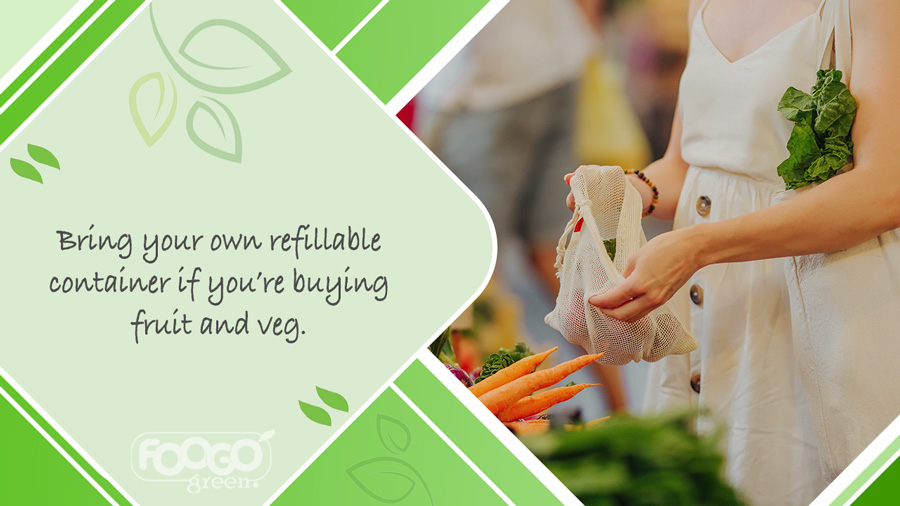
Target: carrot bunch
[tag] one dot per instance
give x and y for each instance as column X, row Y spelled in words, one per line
column 510, row 393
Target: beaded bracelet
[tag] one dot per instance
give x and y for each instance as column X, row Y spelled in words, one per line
column 652, row 186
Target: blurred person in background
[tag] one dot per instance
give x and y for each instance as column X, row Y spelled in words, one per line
column 501, row 116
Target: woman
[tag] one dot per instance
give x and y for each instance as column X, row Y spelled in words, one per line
column 784, row 438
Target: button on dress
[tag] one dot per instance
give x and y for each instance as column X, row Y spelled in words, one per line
column 734, row 138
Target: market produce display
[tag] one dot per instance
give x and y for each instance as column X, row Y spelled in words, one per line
column 509, row 373
column 510, row 387
column 529, row 427
column 534, row 404
column 506, row 395
column 622, row 461
column 503, row 358
column 635, row 462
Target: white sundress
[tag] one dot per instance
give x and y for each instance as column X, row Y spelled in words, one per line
column 843, row 306
column 744, row 371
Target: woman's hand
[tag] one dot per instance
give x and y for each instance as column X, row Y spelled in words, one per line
column 570, row 199
column 652, row 276
column 640, row 186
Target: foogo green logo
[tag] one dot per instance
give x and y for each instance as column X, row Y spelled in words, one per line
column 203, row 460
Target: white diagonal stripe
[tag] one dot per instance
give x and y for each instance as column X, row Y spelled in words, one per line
column 452, row 445
column 360, row 26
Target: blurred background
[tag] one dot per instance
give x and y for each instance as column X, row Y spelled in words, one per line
column 549, row 85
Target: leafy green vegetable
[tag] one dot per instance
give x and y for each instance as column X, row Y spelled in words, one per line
column 629, row 461
column 503, row 358
column 442, row 349
column 610, row 245
column 820, row 143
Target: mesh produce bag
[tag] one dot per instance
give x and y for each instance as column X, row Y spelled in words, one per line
column 607, row 208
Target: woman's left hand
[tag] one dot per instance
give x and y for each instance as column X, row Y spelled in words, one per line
column 652, row 276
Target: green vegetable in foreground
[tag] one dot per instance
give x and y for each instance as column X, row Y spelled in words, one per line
column 629, row 461
column 503, row 358
column 820, row 143
column 442, row 348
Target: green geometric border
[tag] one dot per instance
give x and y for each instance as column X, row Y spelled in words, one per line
column 66, row 63
column 19, row 439
column 418, row 387
column 385, row 44
column 471, row 436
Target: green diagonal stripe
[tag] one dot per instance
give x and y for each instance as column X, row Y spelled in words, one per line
column 329, row 23
column 402, row 38
column 63, row 67
column 32, row 471
column 884, row 490
column 96, row 476
column 50, row 51
column 867, row 474
column 472, row 437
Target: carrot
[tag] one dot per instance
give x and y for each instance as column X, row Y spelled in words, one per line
column 507, row 374
column 586, row 425
column 594, row 423
column 500, row 399
column 534, row 404
column 529, row 427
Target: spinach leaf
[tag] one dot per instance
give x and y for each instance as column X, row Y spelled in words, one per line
column 820, row 143
column 610, row 245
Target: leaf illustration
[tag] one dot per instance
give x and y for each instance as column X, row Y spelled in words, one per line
column 334, row 400
column 266, row 435
column 316, row 414
column 394, row 435
column 222, row 56
column 388, row 480
column 218, row 138
column 25, row 170
column 144, row 122
column 42, row 155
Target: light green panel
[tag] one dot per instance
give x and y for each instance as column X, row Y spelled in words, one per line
column 314, row 149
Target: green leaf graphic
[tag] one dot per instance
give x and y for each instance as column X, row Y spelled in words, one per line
column 315, row 413
column 393, row 433
column 388, row 480
column 25, row 170
column 228, row 139
column 334, row 400
column 143, row 121
column 42, row 155
column 266, row 436
column 259, row 64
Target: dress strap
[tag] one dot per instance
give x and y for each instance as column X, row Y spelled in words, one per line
column 698, row 16
column 835, row 38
